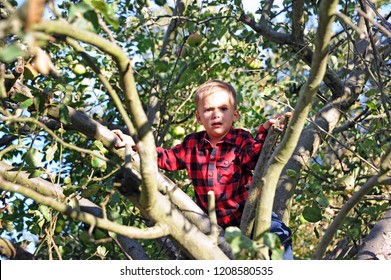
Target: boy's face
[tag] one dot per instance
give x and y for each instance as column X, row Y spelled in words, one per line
column 216, row 112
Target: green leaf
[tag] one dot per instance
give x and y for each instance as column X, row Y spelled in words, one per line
column 33, row 157
column 85, row 237
column 312, row 213
column 291, row 173
column 91, row 190
column 371, row 105
column 101, row 251
column 8, row 225
column 98, row 163
column 271, row 240
column 322, row 200
column 98, row 144
column 237, row 240
column 10, row 53
column 64, row 115
column 83, row 16
column 371, row 92
column 18, row 97
column 45, row 212
column 50, row 152
column 107, row 11
column 36, row 173
column 26, row 103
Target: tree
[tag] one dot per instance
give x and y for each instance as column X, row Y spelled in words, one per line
column 73, row 72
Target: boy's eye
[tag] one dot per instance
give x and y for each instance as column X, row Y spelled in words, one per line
column 224, row 109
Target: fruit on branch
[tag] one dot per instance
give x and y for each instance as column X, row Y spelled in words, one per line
column 253, row 62
column 79, row 69
column 194, row 40
column 179, row 131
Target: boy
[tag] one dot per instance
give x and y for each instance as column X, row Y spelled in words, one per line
column 221, row 158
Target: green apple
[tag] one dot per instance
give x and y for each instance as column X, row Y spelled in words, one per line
column 58, row 229
column 79, row 69
column 194, row 40
column 179, row 131
column 253, row 63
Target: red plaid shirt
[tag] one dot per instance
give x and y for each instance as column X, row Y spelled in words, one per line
column 226, row 169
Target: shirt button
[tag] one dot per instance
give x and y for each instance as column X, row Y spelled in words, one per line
column 210, row 174
column 226, row 162
column 212, row 157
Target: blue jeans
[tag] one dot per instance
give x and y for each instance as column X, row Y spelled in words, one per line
column 284, row 234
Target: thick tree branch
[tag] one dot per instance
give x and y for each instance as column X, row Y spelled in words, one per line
column 307, row 95
column 180, row 7
column 49, row 189
column 248, row 216
column 263, row 30
column 298, row 20
column 325, row 121
column 12, row 252
column 171, row 214
column 376, row 245
column 157, row 231
column 146, row 144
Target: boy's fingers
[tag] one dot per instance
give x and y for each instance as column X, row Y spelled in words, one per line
column 119, row 143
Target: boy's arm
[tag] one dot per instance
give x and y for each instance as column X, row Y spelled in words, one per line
column 168, row 159
column 278, row 120
column 171, row 159
column 251, row 148
column 262, row 131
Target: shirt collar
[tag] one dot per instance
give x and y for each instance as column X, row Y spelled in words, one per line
column 229, row 138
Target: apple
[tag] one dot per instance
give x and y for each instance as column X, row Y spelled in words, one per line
column 194, row 40
column 253, row 62
column 58, row 229
column 79, row 69
column 179, row 131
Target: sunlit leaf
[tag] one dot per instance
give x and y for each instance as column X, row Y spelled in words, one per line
column 10, row 53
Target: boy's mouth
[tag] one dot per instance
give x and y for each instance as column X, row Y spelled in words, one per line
column 217, row 124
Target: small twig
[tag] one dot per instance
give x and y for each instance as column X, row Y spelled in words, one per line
column 214, row 228
column 381, row 27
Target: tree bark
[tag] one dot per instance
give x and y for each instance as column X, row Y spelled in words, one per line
column 377, row 245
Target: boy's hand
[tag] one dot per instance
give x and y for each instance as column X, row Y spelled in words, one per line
column 123, row 139
column 279, row 120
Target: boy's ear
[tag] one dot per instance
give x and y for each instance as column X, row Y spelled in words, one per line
column 198, row 118
column 236, row 115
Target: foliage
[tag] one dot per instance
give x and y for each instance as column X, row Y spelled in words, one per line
column 167, row 71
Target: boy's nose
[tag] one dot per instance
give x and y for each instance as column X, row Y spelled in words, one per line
column 216, row 115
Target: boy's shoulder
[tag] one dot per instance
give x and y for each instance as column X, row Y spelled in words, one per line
column 195, row 136
column 242, row 131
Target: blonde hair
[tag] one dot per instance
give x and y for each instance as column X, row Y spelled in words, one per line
column 212, row 86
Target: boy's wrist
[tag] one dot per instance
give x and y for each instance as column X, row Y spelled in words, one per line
column 261, row 134
column 262, row 129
